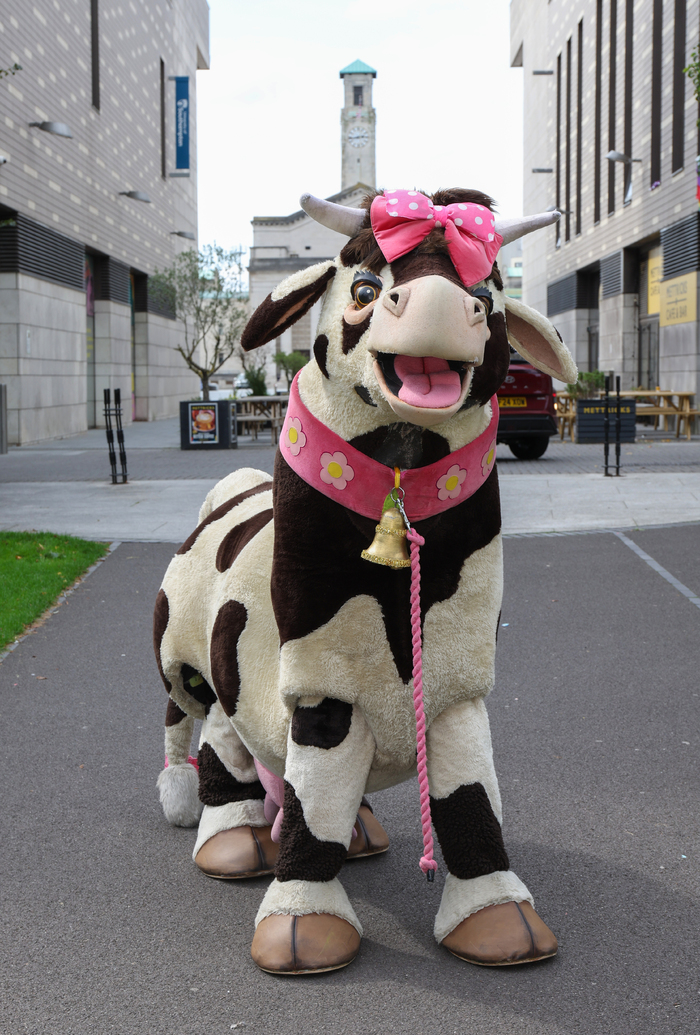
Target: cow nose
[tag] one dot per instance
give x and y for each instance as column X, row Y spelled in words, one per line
column 396, row 300
column 476, row 313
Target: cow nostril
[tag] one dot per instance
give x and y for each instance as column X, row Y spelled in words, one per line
column 394, row 297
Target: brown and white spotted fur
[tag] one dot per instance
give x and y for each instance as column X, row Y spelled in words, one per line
column 294, row 650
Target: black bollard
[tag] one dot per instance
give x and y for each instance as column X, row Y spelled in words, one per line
column 617, row 427
column 606, row 424
column 120, row 431
column 110, row 434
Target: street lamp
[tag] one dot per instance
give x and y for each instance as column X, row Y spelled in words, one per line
column 57, row 129
column 187, row 234
column 136, row 195
column 618, row 156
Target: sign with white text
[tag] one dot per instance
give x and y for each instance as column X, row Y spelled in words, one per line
column 679, row 300
column 182, row 122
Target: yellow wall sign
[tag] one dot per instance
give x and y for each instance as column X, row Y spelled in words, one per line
column 654, row 274
column 679, row 300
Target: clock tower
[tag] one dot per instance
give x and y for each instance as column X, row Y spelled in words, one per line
column 357, row 125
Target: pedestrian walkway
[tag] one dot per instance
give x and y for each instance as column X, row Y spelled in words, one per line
column 108, row 926
column 64, row 486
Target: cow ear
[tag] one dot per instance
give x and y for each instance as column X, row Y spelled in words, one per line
column 287, row 304
column 537, row 341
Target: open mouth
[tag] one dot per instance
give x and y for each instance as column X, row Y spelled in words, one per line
column 424, row 381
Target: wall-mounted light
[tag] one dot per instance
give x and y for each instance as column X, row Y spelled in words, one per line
column 57, row 129
column 618, row 156
column 543, row 170
column 4, row 159
column 543, row 71
column 187, row 234
column 136, row 195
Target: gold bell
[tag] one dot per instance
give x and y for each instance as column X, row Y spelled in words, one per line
column 389, row 543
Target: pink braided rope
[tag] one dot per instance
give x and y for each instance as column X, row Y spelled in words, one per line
column 427, row 863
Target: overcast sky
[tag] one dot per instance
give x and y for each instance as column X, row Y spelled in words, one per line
column 449, row 107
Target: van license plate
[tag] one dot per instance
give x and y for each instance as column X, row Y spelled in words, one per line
column 512, row 400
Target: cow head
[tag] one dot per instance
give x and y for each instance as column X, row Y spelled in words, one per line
column 407, row 340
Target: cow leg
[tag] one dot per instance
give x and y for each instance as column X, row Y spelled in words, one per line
column 487, row 914
column 233, row 839
column 178, row 783
column 305, row 923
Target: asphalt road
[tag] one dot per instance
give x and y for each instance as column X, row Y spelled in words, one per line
column 107, row 927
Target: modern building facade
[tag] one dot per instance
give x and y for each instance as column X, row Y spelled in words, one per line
column 284, row 244
column 618, row 273
column 97, row 191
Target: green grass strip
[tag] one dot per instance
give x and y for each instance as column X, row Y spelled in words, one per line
column 35, row 568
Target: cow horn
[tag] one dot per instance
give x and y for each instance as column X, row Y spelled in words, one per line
column 336, row 217
column 512, row 229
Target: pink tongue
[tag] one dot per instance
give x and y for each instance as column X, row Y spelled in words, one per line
column 427, row 381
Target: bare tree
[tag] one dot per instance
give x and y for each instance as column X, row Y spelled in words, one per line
column 204, row 290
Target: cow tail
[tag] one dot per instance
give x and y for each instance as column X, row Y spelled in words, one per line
column 178, row 783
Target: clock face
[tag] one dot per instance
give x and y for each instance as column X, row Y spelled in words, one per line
column 358, row 136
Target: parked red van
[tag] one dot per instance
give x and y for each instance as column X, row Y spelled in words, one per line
column 527, row 415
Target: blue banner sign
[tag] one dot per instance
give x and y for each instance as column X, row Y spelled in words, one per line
column 182, row 122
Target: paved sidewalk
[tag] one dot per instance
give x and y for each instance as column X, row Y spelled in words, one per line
column 106, row 925
column 166, row 511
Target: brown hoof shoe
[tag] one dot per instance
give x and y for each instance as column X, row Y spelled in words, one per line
column 499, row 936
column 309, row 944
column 240, row 852
column 371, row 837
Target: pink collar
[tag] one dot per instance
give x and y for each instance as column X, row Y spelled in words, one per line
column 344, row 474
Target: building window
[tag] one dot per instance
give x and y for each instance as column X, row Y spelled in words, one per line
column 598, row 107
column 612, row 87
column 678, row 86
column 657, row 26
column 557, row 225
column 567, row 197
column 95, row 53
column 629, row 35
column 579, row 123
column 163, row 170
column 357, row 99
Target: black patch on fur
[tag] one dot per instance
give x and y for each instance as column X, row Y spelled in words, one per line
column 489, row 377
column 239, row 537
column 326, row 725
column 302, row 856
column 271, row 319
column 222, row 511
column 197, row 687
column 422, row 263
column 317, row 565
column 173, row 714
column 321, row 354
column 402, row 445
column 364, row 395
column 352, row 332
column 217, row 786
column 469, row 833
column 223, row 653
column 161, row 615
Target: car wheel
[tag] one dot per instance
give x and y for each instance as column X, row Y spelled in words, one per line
column 530, row 448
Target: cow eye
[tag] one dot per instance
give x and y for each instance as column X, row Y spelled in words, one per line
column 483, row 301
column 364, row 293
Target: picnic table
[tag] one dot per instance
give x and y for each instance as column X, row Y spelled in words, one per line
column 255, row 411
column 659, row 403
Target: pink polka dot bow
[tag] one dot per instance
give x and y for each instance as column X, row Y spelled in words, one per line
column 402, row 218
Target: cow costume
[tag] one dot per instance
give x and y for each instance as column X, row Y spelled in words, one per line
column 297, row 652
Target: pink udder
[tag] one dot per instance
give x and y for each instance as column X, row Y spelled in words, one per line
column 427, row 381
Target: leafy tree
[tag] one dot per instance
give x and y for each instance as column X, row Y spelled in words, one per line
column 204, row 290
column 12, row 70
column 254, row 368
column 589, row 383
column 291, row 363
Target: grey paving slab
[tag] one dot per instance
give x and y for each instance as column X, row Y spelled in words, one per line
column 167, row 511
column 108, row 927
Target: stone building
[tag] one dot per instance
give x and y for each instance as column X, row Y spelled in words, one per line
column 618, row 273
column 97, row 190
column 283, row 244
